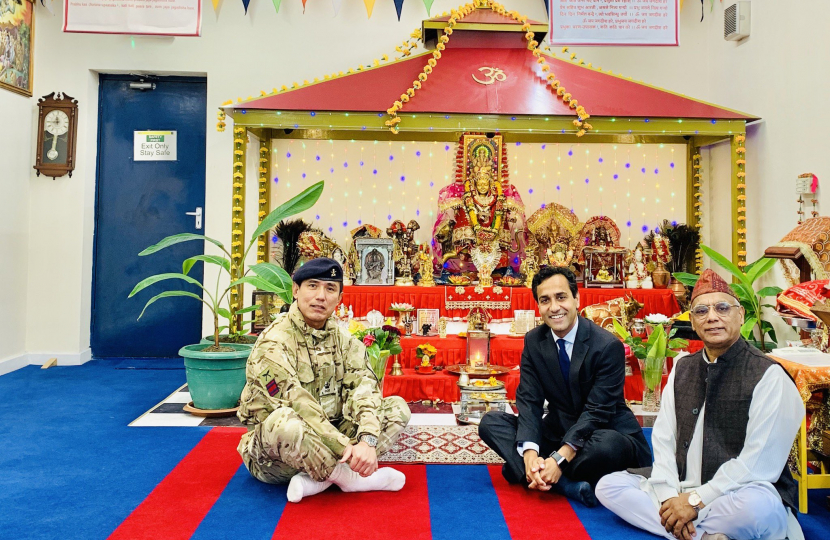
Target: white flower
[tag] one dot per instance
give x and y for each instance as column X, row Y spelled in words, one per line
column 401, row 306
column 657, row 318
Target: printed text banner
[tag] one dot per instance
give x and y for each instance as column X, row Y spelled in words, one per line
column 613, row 22
column 149, row 17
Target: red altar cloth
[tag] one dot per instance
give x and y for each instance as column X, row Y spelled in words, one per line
column 365, row 298
column 504, row 350
column 442, row 385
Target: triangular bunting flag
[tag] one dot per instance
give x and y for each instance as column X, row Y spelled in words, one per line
column 370, row 5
column 336, row 5
column 245, row 3
column 276, row 4
column 304, row 1
column 398, row 8
column 216, row 4
column 428, row 5
column 547, row 6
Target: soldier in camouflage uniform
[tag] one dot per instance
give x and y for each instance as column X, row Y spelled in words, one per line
column 311, row 402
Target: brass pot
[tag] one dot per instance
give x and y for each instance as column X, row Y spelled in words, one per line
column 660, row 277
column 679, row 291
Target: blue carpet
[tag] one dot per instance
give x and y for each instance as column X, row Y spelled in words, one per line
column 71, row 468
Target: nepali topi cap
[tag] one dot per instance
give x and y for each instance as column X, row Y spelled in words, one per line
column 710, row 282
column 322, row 268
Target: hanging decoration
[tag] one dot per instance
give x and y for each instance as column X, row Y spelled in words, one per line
column 532, row 45
column 740, row 186
column 277, row 5
column 215, row 4
column 428, row 5
column 264, row 195
column 698, row 217
column 304, row 1
column 336, row 5
column 399, row 8
column 245, row 3
column 370, row 5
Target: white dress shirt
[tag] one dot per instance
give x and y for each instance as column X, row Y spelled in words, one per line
column 570, row 339
column 774, row 418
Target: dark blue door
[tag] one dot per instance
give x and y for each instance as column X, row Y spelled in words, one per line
column 137, row 204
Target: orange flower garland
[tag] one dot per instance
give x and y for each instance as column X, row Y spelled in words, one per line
column 458, row 14
column 740, row 161
column 698, row 205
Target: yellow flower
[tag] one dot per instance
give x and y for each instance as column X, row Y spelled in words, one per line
column 564, row 49
column 448, row 31
column 741, row 186
column 238, row 152
column 427, row 69
column 416, row 85
column 422, row 77
column 740, row 150
column 740, row 138
column 552, row 79
column 238, row 175
column 741, row 175
column 261, row 214
column 742, row 209
column 573, row 55
column 698, row 204
column 538, row 54
column 587, row 126
column 436, row 55
column 525, row 27
column 443, row 39
column 238, row 141
column 262, row 190
column 398, row 104
column 385, row 57
column 741, row 162
column 410, row 92
column 441, row 46
column 262, row 201
column 237, row 185
column 237, row 196
column 432, row 62
column 229, row 102
column 404, row 98
column 263, row 170
column 566, row 97
column 697, row 184
column 741, row 197
column 560, row 91
column 573, row 104
column 237, row 208
column 545, row 67
column 580, row 133
column 236, row 220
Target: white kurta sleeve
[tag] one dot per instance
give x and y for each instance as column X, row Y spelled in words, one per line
column 664, row 476
column 774, row 418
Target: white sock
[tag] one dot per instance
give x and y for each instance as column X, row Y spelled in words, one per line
column 385, row 479
column 302, row 485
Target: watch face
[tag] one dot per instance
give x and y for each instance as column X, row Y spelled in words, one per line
column 56, row 122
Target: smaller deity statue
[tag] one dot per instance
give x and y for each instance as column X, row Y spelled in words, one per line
column 425, row 266
column 405, row 249
column 603, row 275
column 374, row 265
column 529, row 266
column 638, row 276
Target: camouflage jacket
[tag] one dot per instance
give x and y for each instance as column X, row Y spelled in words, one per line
column 321, row 374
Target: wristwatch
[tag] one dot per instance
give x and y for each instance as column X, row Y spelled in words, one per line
column 695, row 501
column 558, row 458
column 369, row 439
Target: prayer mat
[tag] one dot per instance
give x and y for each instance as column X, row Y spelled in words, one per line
column 448, row 445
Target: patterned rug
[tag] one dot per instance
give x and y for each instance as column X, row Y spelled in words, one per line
column 452, row 445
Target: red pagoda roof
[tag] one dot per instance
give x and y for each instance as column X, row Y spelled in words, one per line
column 451, row 88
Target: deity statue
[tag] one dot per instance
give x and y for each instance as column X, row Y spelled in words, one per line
column 425, row 266
column 479, row 210
column 374, row 264
column 530, row 265
column 351, row 269
column 404, row 250
column 638, row 277
column 556, row 230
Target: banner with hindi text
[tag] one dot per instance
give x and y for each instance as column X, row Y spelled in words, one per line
column 134, row 17
column 613, row 22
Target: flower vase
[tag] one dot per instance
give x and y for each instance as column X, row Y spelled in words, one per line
column 652, row 371
column 401, row 324
column 380, row 368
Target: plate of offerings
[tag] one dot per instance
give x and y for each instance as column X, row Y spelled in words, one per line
column 484, row 385
column 510, row 281
column 484, row 372
column 459, row 280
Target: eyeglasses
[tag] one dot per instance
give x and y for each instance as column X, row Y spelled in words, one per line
column 721, row 308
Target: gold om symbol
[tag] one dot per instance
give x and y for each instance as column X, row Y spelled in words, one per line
column 493, row 74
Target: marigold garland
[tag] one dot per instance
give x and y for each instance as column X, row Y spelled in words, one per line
column 740, row 186
column 458, row 14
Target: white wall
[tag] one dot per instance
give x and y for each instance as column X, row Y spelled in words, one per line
column 15, row 153
column 779, row 74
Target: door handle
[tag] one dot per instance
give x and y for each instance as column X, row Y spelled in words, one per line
column 198, row 214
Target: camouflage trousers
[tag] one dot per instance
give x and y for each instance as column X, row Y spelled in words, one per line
column 284, row 444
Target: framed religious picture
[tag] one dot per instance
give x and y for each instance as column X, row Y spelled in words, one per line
column 269, row 306
column 427, row 317
column 17, row 32
column 375, row 256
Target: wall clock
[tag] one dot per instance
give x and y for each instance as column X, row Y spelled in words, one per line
column 57, row 127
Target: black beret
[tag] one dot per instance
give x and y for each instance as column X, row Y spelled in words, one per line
column 322, row 268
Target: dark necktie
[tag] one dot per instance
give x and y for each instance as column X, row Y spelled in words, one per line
column 564, row 361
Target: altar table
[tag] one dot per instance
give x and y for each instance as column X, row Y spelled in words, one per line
column 365, row 298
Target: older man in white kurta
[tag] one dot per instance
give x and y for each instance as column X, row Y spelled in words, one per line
column 721, row 440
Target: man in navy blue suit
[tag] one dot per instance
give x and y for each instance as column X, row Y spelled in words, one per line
column 579, row 369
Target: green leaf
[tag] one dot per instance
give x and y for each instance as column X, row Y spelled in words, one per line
column 678, row 344
column 727, row 265
column 749, row 324
column 759, row 268
column 274, row 275
column 620, row 330
column 770, row 291
column 263, row 285
column 178, row 239
column 745, row 293
column 213, row 259
column 222, row 312
column 167, row 294
column 771, row 333
column 247, row 309
column 689, row 280
column 300, row 203
column 143, row 284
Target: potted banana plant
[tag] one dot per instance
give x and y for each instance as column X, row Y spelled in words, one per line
column 215, row 370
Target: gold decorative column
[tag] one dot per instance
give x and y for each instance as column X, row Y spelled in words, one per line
column 264, row 188
column 240, row 147
column 696, row 201
column 739, row 199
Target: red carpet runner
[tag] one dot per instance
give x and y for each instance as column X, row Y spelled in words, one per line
column 534, row 514
column 174, row 509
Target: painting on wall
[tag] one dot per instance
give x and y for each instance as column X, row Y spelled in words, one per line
column 17, row 27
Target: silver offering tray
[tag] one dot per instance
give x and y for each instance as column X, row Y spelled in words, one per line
column 800, row 322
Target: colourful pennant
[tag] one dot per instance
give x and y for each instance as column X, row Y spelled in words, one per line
column 245, row 3
column 336, row 5
column 276, row 4
column 370, row 5
column 428, row 5
column 216, row 4
column 398, row 8
column 547, row 6
column 304, row 1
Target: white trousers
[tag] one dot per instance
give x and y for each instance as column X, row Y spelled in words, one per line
column 748, row 513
